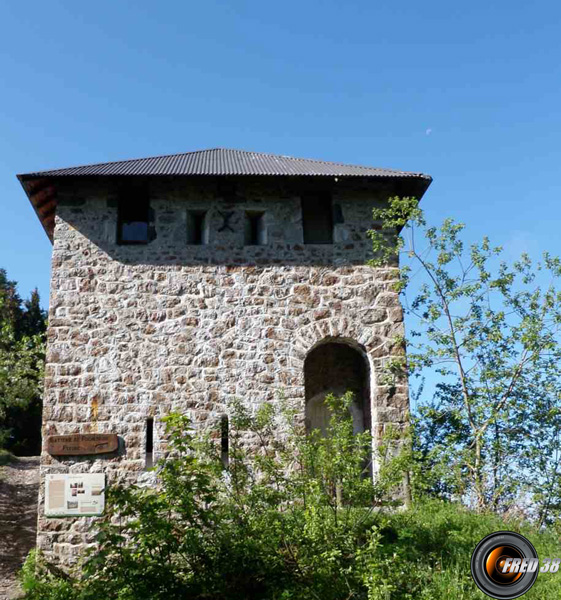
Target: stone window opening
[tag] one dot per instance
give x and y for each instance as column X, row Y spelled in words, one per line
column 255, row 232
column 133, row 220
column 336, row 368
column 149, row 459
column 197, row 227
column 224, row 441
column 317, row 219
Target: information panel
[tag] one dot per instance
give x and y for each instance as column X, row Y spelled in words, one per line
column 80, row 495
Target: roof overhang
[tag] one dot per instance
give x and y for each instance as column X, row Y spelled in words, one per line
column 41, row 192
column 41, row 187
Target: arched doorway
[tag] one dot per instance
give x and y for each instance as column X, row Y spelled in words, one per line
column 336, row 368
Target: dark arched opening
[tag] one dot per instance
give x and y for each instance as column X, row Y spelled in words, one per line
column 336, row 368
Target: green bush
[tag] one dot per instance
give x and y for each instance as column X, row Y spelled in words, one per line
column 43, row 582
column 296, row 518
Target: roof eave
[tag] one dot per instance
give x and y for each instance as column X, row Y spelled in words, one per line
column 42, row 196
column 41, row 191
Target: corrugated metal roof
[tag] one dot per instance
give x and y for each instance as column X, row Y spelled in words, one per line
column 221, row 161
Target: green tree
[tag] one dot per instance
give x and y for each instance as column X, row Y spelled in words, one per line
column 22, row 342
column 490, row 331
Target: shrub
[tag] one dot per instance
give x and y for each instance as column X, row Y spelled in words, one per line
column 295, row 518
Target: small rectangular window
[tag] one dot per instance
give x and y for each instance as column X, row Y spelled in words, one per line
column 197, row 230
column 133, row 220
column 254, row 229
column 224, row 441
column 149, row 443
column 338, row 217
column 317, row 219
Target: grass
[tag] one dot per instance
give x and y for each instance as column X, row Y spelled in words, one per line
column 423, row 554
column 433, row 544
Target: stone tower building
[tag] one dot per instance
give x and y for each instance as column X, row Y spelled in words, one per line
column 181, row 282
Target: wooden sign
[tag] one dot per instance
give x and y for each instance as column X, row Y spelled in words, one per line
column 82, row 443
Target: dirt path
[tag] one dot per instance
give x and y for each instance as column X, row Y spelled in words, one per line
column 19, row 487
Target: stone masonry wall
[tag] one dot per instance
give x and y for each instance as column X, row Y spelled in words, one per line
column 139, row 331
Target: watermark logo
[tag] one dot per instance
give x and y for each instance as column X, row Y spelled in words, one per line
column 505, row 565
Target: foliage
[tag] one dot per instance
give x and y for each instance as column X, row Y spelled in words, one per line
column 431, row 547
column 5, row 457
column 293, row 519
column 44, row 582
column 22, row 341
column 490, row 331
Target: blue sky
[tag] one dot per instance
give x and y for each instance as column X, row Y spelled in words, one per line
column 467, row 92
